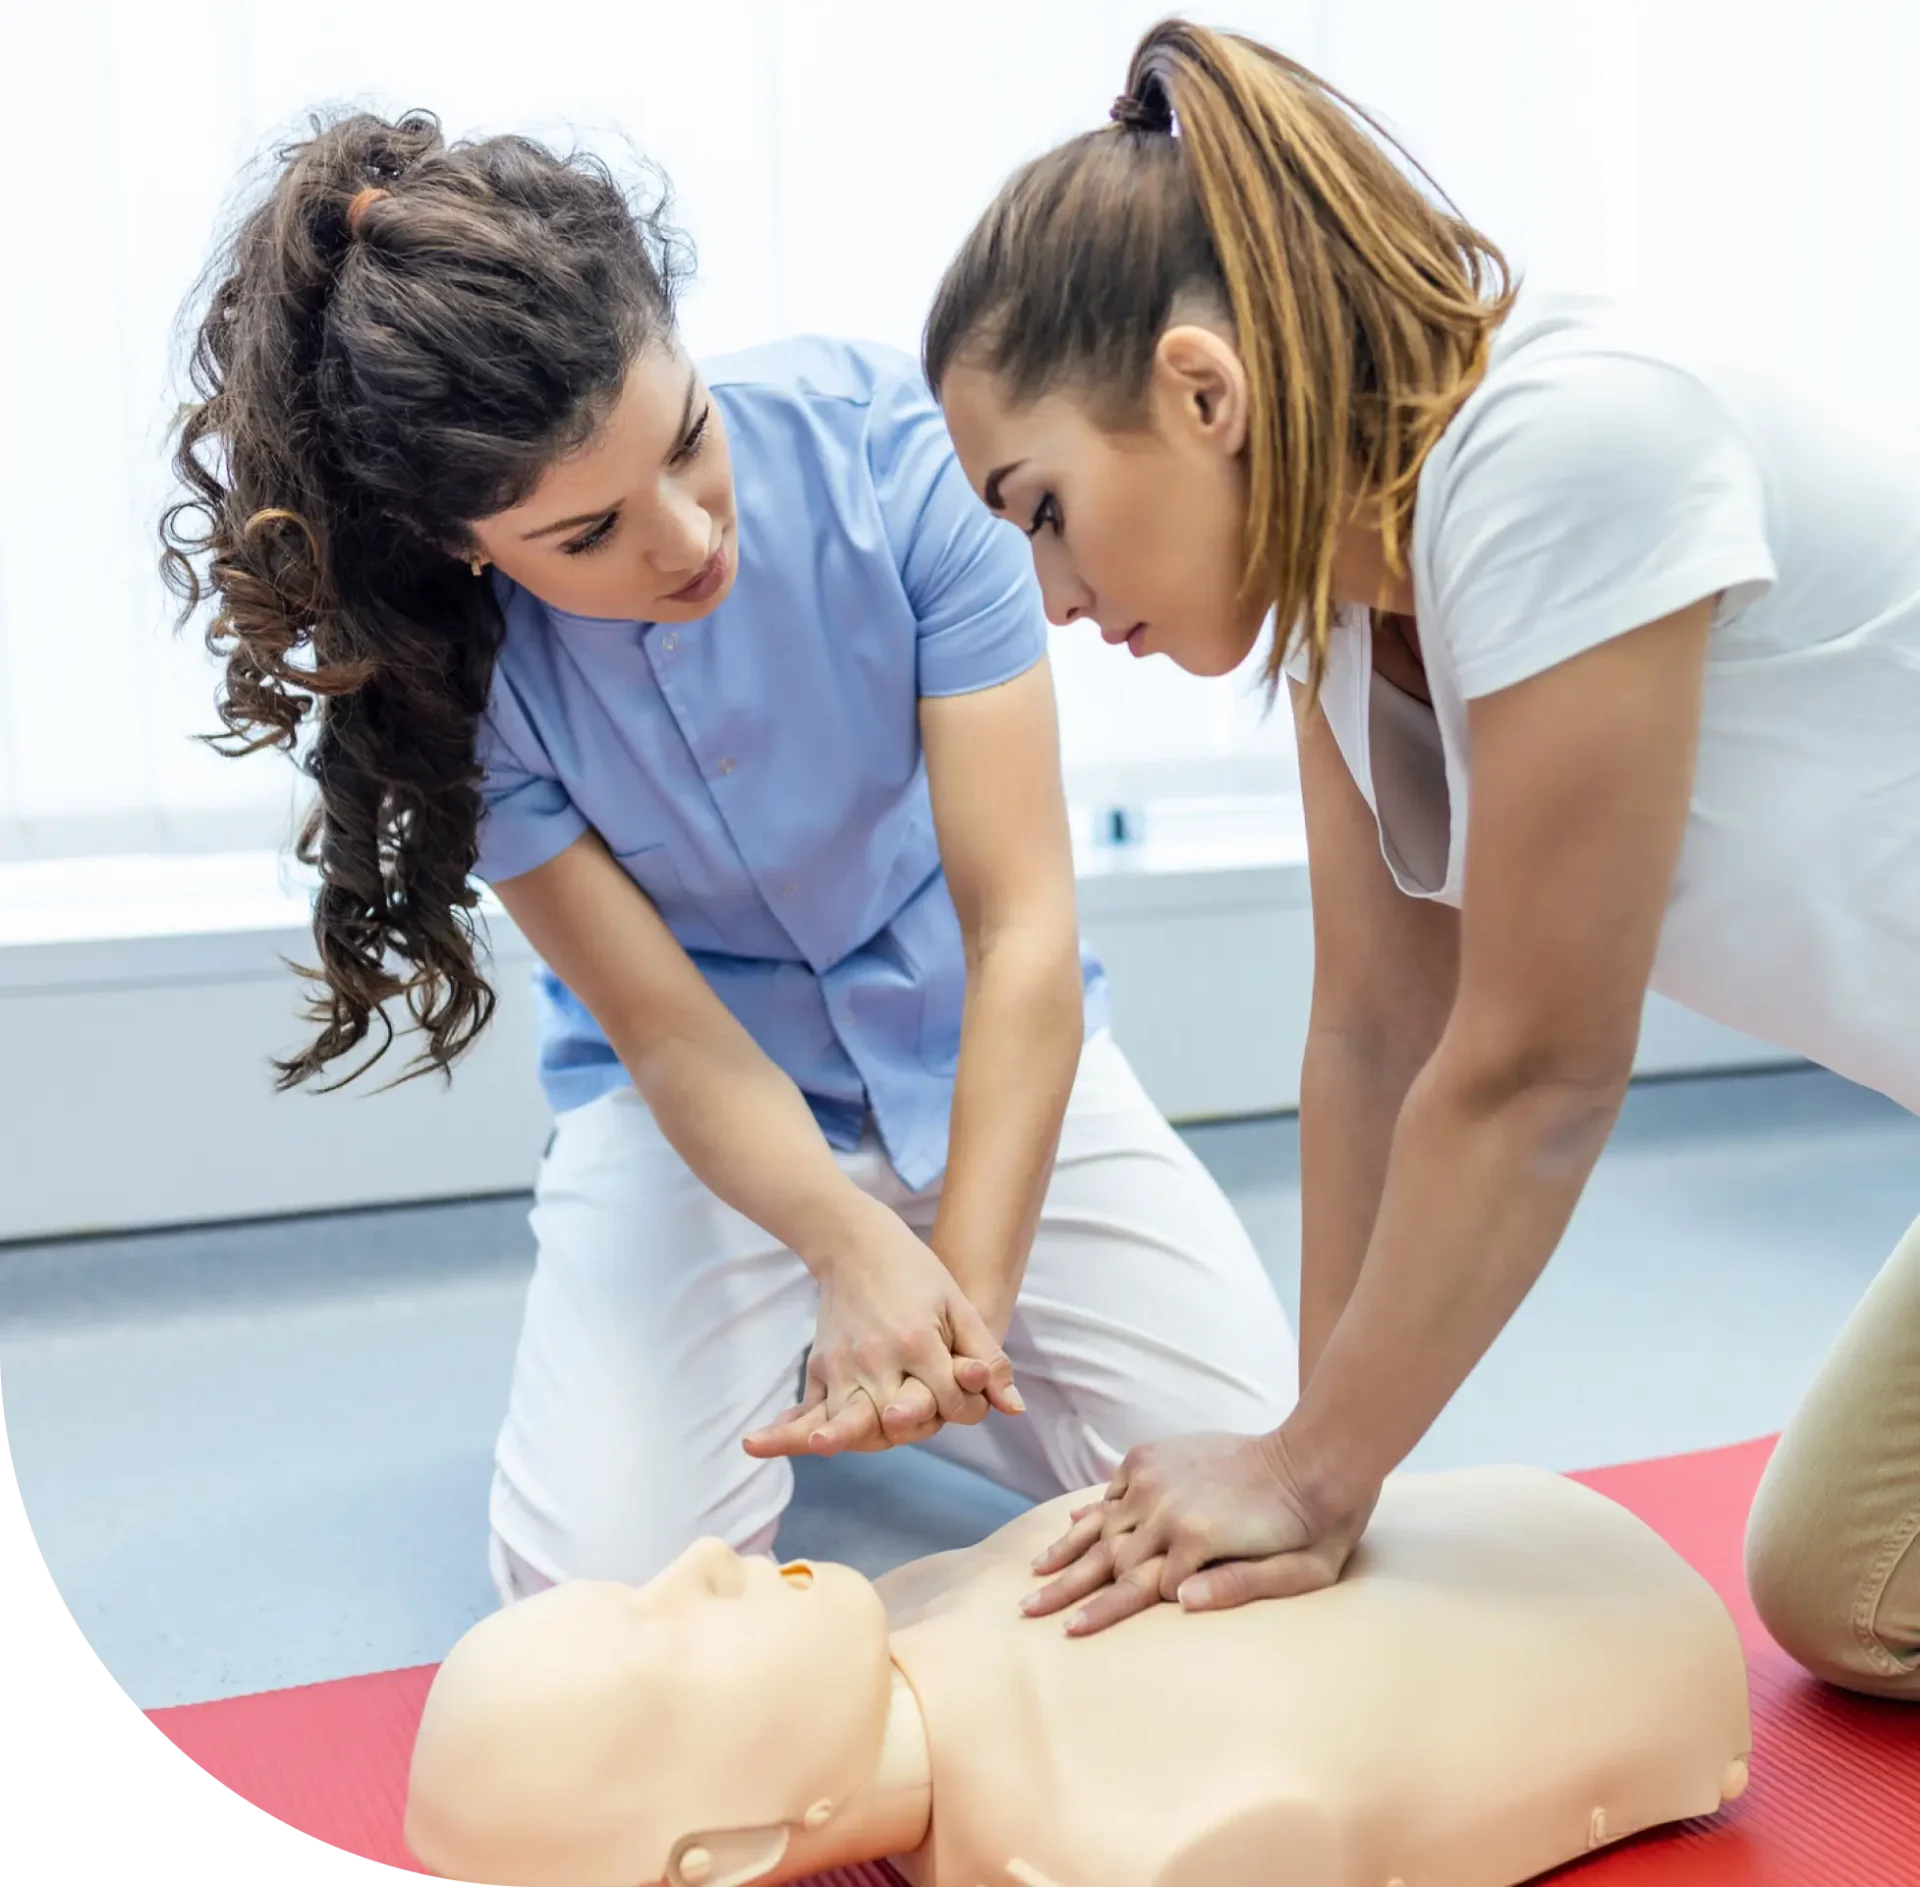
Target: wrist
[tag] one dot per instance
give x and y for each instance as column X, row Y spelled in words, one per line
column 842, row 1227
column 995, row 1301
column 983, row 1275
column 1331, row 1481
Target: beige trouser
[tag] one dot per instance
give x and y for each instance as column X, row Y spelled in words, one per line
column 1831, row 1553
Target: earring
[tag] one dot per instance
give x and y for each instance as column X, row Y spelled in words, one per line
column 476, row 564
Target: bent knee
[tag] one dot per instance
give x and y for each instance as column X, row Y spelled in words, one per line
column 1840, row 1613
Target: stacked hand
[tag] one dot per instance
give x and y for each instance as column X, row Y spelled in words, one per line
column 898, row 1351
column 1209, row 1521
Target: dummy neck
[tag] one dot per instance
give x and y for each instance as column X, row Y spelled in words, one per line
column 891, row 1815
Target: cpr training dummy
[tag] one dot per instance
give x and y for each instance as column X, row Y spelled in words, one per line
column 1512, row 1671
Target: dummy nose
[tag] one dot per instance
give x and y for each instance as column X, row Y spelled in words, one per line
column 718, row 1567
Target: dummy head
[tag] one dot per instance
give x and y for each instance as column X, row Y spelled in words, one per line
column 601, row 1735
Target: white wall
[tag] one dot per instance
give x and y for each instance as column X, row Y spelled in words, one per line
column 134, row 1038
column 1747, row 163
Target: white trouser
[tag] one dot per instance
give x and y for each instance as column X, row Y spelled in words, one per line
column 661, row 1326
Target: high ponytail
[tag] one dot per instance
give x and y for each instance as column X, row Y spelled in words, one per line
column 396, row 343
column 1234, row 181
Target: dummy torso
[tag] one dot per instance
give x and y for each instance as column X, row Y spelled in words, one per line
column 1513, row 1671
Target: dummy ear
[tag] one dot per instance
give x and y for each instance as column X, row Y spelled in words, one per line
column 730, row 1858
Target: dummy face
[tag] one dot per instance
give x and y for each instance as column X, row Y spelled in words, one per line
column 599, row 1733
column 639, row 523
column 1139, row 531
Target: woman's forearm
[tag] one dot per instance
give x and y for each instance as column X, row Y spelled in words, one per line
column 1019, row 1050
column 743, row 1128
column 1485, row 1169
column 1351, row 1093
column 748, row 1135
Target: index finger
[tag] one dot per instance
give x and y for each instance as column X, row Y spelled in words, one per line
column 912, row 1415
column 789, row 1434
column 1088, row 1525
column 1132, row 1592
column 1080, row 1580
column 857, row 1426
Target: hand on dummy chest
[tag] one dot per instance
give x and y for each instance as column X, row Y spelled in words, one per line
column 1511, row 1665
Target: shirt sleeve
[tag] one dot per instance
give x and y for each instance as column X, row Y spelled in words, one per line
column 1587, row 496
column 968, row 575
column 527, row 816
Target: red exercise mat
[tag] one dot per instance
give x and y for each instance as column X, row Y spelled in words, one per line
column 1836, row 1778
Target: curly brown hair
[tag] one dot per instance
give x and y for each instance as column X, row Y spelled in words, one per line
column 368, row 386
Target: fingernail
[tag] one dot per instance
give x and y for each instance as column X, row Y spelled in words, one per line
column 1078, row 1622
column 1030, row 1604
column 1016, row 1401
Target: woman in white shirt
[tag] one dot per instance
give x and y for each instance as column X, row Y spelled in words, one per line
column 1659, row 628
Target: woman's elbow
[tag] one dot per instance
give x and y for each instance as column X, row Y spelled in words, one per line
column 1566, row 1091
column 1038, row 939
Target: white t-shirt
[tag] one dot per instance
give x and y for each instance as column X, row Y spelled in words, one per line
column 1596, row 481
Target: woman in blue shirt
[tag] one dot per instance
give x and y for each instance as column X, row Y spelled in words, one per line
column 728, row 686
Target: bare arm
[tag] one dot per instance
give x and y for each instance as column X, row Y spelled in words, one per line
column 890, row 1315
column 993, row 764
column 1582, row 777
column 1383, row 982
column 727, row 1110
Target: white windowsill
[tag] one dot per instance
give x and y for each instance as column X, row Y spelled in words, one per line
column 171, row 970
column 167, row 918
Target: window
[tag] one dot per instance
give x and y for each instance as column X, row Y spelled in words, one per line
column 828, row 155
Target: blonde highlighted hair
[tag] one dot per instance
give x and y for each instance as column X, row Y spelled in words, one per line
column 1363, row 311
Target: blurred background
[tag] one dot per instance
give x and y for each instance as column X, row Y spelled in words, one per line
column 1746, row 165
column 1741, row 166
column 253, row 1347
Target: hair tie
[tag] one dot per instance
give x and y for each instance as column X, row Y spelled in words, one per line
column 363, row 200
column 1152, row 113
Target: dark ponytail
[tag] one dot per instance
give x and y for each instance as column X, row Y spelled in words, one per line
column 396, row 343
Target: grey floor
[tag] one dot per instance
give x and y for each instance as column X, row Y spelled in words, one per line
column 258, row 1455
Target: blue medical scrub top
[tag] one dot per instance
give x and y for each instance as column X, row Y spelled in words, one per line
column 758, row 773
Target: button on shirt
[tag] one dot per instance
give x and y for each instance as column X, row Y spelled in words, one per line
column 758, row 772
